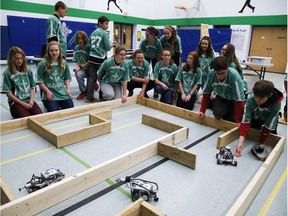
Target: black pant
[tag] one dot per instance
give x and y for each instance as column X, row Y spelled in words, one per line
column 224, row 109
column 132, row 84
column 185, row 105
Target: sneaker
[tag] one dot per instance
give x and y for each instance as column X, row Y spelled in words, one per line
column 130, row 94
column 259, row 148
column 91, row 100
column 155, row 95
column 81, row 95
column 96, row 86
column 146, row 95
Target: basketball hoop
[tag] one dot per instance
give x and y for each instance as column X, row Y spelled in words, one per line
column 180, row 10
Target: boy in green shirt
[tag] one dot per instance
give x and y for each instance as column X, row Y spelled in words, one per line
column 261, row 112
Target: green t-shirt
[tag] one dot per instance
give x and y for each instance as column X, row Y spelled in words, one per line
column 189, row 79
column 245, row 84
column 81, row 55
column 54, row 29
column 99, row 43
column 151, row 51
column 166, row 75
column 205, row 63
column 54, row 80
column 167, row 45
column 19, row 84
column 269, row 114
column 230, row 89
column 138, row 71
column 113, row 74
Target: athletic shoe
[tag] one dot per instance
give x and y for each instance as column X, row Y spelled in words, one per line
column 96, row 86
column 91, row 100
column 130, row 94
column 81, row 95
column 155, row 95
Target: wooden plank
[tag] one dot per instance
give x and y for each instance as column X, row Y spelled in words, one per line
column 14, row 125
column 42, row 131
column 254, row 134
column 227, row 137
column 147, row 209
column 132, row 210
column 94, row 119
column 6, row 194
column 83, row 134
column 106, row 114
column 245, row 199
column 187, row 114
column 42, row 199
column 159, row 124
column 179, row 155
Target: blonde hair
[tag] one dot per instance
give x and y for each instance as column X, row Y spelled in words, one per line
column 48, row 58
column 11, row 60
column 83, row 35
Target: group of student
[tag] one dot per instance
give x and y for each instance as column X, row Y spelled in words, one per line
column 220, row 78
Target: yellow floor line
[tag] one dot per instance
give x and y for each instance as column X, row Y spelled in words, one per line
column 273, row 194
column 27, row 155
column 17, row 138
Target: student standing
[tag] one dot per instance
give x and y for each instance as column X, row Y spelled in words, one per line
column 261, row 112
column 152, row 48
column 18, row 84
column 170, row 40
column 189, row 80
column 54, row 30
column 164, row 77
column 81, row 54
column 227, row 85
column 113, row 76
column 139, row 74
column 53, row 77
column 228, row 51
column 99, row 45
column 206, row 56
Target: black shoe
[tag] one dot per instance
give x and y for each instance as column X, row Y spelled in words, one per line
column 240, row 11
column 253, row 9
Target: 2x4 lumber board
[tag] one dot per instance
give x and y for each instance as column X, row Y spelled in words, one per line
column 83, row 134
column 254, row 134
column 227, row 137
column 105, row 114
column 132, row 210
column 187, row 114
column 147, row 209
column 14, row 125
column 40, row 200
column 95, row 119
column 19, row 124
column 179, row 155
column 6, row 194
column 42, row 131
column 245, row 199
column 159, row 124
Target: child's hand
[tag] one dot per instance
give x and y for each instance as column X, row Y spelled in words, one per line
column 77, row 68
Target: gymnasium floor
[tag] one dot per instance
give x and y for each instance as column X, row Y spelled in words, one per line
column 209, row 190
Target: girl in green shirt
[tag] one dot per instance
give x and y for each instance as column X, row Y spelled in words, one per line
column 53, row 77
column 18, row 84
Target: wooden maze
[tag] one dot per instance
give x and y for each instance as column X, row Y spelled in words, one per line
column 99, row 123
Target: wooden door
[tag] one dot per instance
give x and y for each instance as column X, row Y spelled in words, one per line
column 123, row 35
column 270, row 42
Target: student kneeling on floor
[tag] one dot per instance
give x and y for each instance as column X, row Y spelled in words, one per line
column 227, row 86
column 261, row 112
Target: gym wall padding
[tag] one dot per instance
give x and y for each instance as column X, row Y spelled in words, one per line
column 30, row 33
column 5, row 43
column 191, row 38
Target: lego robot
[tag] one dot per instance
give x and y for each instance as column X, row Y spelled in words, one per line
column 141, row 188
column 225, row 156
column 46, row 178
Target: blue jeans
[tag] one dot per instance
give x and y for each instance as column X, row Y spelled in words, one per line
column 57, row 105
column 166, row 95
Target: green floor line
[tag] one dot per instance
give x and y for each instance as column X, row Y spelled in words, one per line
column 109, row 181
column 5, row 107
